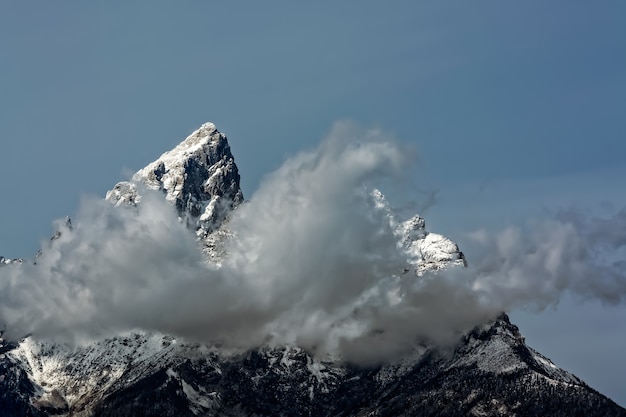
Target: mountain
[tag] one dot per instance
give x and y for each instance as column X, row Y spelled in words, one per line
column 199, row 177
column 489, row 372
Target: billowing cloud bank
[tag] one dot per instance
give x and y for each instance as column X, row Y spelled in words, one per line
column 313, row 260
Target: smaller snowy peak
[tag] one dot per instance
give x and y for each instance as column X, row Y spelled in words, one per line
column 496, row 347
column 425, row 250
column 199, row 176
column 500, row 348
column 437, row 249
column 123, row 194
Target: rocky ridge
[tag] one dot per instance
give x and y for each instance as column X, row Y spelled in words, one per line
column 9, row 261
column 490, row 373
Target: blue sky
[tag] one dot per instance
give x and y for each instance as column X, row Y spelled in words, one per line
column 516, row 108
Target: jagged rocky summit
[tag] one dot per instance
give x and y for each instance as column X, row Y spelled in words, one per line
column 199, row 177
column 490, row 372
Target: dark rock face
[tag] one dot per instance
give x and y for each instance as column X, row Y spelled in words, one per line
column 491, row 372
column 199, row 176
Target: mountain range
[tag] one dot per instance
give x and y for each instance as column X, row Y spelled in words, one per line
column 489, row 371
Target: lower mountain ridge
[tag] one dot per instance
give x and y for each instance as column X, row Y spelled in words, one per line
column 489, row 372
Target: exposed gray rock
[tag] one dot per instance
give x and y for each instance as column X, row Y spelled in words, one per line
column 199, row 177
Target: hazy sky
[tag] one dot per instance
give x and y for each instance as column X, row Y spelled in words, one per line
column 516, row 109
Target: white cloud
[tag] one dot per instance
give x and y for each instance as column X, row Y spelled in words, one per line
column 314, row 261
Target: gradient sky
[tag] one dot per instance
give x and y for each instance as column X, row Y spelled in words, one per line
column 516, row 109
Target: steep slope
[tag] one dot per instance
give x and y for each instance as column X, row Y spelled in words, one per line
column 490, row 372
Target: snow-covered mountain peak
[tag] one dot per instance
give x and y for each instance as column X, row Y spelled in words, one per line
column 206, row 146
column 426, row 250
column 199, row 176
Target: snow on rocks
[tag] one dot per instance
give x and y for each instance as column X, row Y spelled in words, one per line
column 199, row 177
column 425, row 250
column 123, row 194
